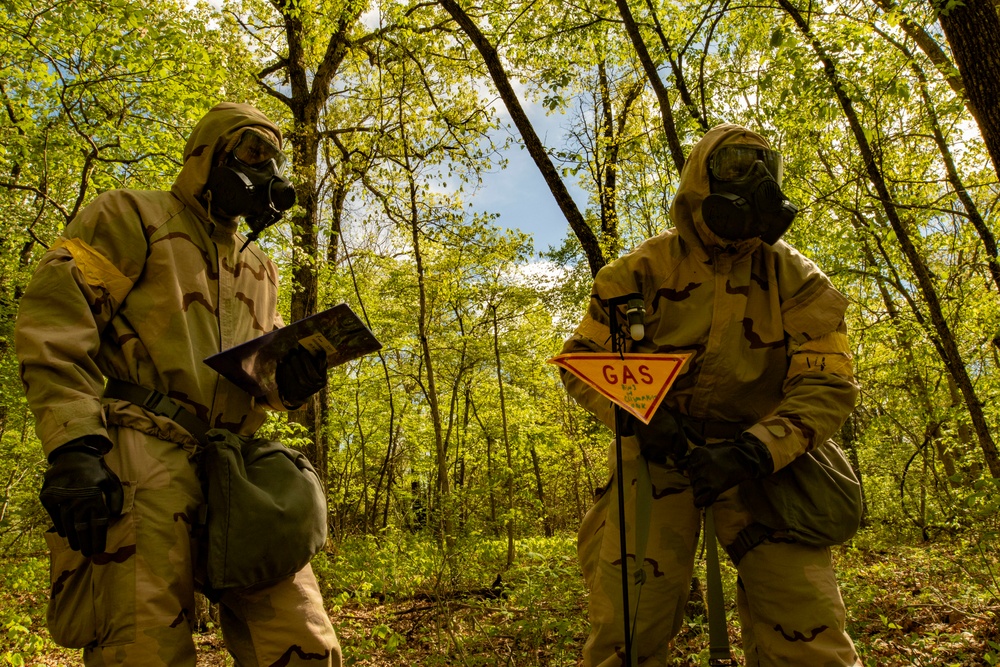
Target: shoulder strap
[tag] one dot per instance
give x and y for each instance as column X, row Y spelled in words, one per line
column 719, row 652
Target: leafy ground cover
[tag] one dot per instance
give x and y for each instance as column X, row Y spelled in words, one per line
column 399, row 601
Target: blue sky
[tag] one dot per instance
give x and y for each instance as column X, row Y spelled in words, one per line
column 519, row 194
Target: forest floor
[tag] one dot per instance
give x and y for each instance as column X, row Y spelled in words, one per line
column 398, row 602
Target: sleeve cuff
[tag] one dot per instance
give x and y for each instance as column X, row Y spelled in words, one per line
column 780, row 441
column 54, row 434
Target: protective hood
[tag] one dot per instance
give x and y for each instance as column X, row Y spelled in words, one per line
column 211, row 135
column 694, row 187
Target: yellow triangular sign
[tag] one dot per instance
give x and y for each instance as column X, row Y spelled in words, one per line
column 636, row 382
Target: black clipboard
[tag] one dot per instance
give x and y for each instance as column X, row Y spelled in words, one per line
column 338, row 331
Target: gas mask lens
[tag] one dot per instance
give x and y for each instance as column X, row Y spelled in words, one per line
column 733, row 163
column 254, row 151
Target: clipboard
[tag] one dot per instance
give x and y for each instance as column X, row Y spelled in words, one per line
column 338, row 331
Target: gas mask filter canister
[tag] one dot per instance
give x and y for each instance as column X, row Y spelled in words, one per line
column 746, row 200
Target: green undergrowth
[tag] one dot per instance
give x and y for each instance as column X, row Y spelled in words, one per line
column 925, row 605
column 404, row 601
column 399, row 600
column 23, row 595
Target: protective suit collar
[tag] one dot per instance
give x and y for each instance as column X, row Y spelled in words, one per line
column 685, row 211
column 211, row 135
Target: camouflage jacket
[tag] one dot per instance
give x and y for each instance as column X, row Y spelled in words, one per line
column 764, row 325
column 142, row 286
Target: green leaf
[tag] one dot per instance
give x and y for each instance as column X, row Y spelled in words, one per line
column 950, row 6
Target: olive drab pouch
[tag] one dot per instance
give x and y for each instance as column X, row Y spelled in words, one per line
column 266, row 514
column 816, row 499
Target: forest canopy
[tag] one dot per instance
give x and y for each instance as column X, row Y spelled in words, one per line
column 457, row 440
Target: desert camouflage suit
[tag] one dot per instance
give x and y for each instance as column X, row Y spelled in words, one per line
column 142, row 286
column 766, row 331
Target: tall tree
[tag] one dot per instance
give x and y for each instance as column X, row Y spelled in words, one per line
column 941, row 334
column 961, row 191
column 934, row 51
column 299, row 76
column 973, row 31
column 653, row 75
column 94, row 95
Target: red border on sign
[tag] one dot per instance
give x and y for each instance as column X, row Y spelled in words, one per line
column 565, row 360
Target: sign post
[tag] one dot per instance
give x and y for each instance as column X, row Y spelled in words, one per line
column 636, row 384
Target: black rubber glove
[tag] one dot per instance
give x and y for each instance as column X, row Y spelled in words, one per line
column 300, row 375
column 714, row 469
column 662, row 438
column 81, row 494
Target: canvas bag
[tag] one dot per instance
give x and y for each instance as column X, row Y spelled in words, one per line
column 266, row 514
column 816, row 498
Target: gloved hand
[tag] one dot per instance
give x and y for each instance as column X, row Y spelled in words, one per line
column 300, row 374
column 82, row 494
column 714, row 469
column 662, row 438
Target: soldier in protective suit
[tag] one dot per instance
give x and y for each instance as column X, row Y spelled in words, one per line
column 139, row 289
column 769, row 378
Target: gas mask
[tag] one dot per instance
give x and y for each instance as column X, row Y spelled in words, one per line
column 746, row 200
column 249, row 183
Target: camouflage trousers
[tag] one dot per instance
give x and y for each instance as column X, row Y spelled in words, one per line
column 790, row 607
column 134, row 604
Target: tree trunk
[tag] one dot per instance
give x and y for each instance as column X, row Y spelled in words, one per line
column 489, row 477
column 430, row 390
column 509, row 474
column 975, row 217
column 386, row 469
column 539, row 491
column 607, row 169
column 972, row 28
column 653, row 75
column 972, row 467
column 362, row 446
column 608, row 159
column 915, row 381
column 848, row 439
column 494, row 526
column 927, row 44
column 982, row 229
column 675, row 57
column 306, row 104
